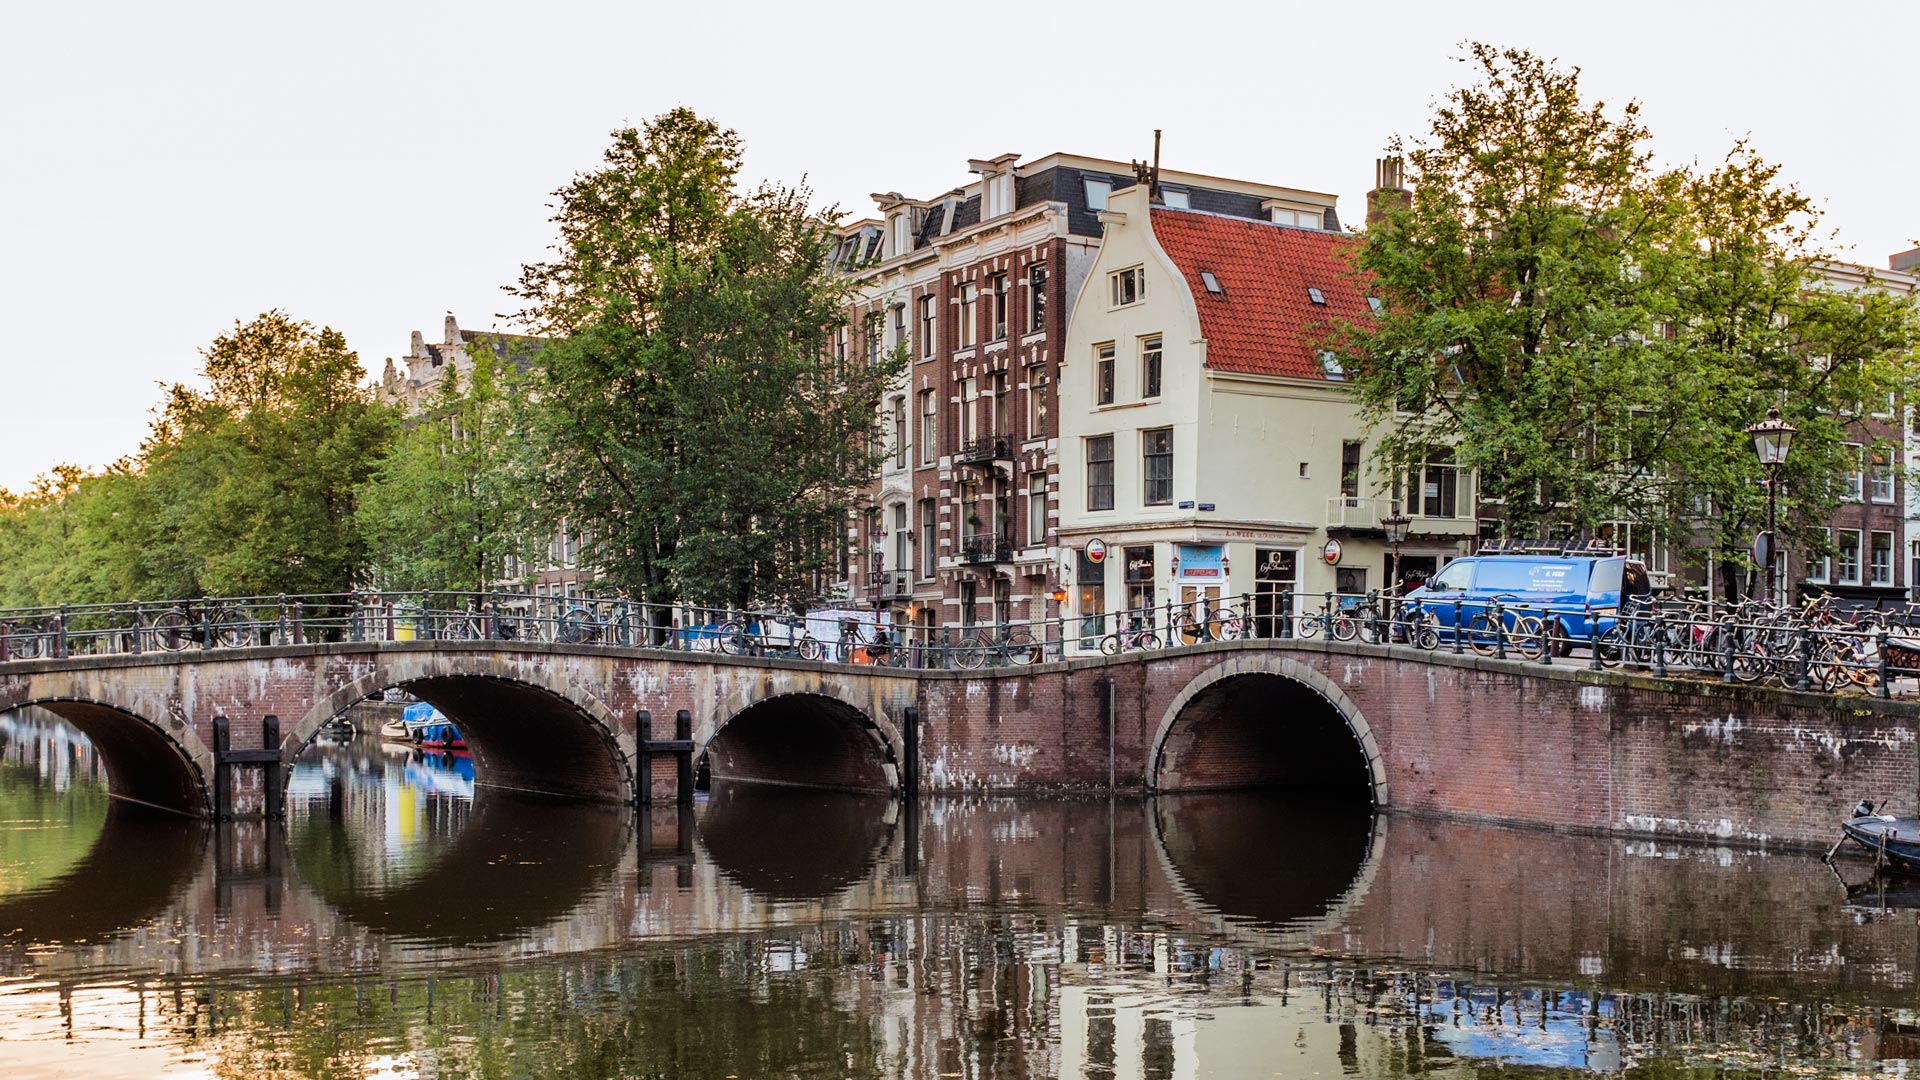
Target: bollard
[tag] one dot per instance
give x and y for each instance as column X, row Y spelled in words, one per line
column 1886, row 686
column 1326, row 614
column 683, row 759
column 1805, row 681
column 910, row 753
column 133, row 636
column 281, row 634
column 206, row 624
column 1373, row 613
column 1660, row 646
column 274, row 780
column 1726, row 653
column 643, row 761
column 60, row 633
column 1499, row 632
column 222, row 769
column 1459, row 630
column 1593, row 641
column 1546, row 641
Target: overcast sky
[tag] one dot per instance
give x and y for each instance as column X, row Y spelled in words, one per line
column 166, row 169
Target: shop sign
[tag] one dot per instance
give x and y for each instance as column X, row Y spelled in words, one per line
column 1096, row 550
column 1331, row 552
column 1201, row 561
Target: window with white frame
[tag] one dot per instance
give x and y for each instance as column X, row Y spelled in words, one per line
column 1103, row 374
column 928, row 322
column 1435, row 487
column 999, row 291
column 900, row 433
column 1855, row 481
column 1880, row 476
column 1819, row 568
column 969, row 305
column 1100, row 472
column 1174, row 197
column 1097, row 191
column 1127, row 286
column 1150, row 366
column 969, row 410
column 1036, row 509
column 929, row 426
column 1913, row 565
column 929, row 538
column 1036, row 401
column 902, row 539
column 1156, row 452
column 1880, row 558
column 1846, row 563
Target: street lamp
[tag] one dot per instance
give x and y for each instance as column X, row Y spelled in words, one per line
column 1771, row 437
column 1396, row 525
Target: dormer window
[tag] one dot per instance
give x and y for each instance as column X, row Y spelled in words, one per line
column 1330, row 364
column 1174, row 197
column 1317, row 296
column 1098, row 188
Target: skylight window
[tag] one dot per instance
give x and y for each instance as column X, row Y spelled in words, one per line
column 1212, row 283
column 1316, row 296
column 1373, row 304
column 1330, row 364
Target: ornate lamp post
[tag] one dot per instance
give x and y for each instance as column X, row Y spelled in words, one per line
column 1771, row 438
column 1396, row 525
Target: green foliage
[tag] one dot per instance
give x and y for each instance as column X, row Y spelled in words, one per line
column 1591, row 335
column 451, row 500
column 688, row 419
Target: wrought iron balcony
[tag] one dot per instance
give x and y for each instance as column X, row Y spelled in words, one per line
column 982, row 548
column 890, row 584
column 985, row 450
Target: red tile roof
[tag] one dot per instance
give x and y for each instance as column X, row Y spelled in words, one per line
column 1264, row 322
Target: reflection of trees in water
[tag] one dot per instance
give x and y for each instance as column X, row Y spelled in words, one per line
column 133, row 864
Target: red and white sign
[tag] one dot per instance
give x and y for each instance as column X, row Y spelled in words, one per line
column 1096, row 550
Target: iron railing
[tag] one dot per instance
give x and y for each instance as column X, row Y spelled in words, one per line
column 1812, row 647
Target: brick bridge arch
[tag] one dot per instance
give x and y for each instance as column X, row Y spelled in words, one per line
column 1209, row 719
column 153, row 757
column 819, row 737
column 528, row 726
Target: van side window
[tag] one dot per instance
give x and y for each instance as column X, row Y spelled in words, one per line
column 1638, row 584
column 1457, row 576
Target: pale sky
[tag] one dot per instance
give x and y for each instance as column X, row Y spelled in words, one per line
column 166, row 169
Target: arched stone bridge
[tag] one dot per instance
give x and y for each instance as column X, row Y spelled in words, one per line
column 1415, row 731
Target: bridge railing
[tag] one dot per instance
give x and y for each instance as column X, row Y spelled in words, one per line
column 1809, row 647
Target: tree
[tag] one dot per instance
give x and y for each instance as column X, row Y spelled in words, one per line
column 451, row 500
column 1591, row 335
column 689, row 421
column 251, row 484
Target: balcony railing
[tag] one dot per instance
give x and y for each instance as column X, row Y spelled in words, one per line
column 890, row 584
column 984, row 450
column 1354, row 514
column 986, row 548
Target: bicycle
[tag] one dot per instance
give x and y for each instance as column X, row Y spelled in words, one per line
column 1138, row 636
column 580, row 626
column 24, row 641
column 1016, row 647
column 221, row 628
column 1214, row 623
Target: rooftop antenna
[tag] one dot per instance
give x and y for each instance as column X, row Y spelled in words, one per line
column 1150, row 175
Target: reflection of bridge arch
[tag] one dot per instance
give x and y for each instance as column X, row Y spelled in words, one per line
column 1272, row 871
column 154, row 764
column 794, row 844
column 138, row 865
column 815, row 738
column 528, row 727
column 516, row 865
column 1233, row 726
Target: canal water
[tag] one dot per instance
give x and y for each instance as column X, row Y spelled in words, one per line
column 403, row 923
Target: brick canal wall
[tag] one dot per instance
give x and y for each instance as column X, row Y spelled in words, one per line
column 1434, row 733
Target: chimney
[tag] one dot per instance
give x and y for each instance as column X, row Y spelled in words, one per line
column 1389, row 189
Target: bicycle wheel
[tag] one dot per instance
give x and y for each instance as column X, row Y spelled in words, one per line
column 1345, row 626
column 578, row 626
column 1483, row 635
column 1187, row 631
column 1111, row 645
column 808, row 649
column 1021, row 649
column 732, row 639
column 1524, row 634
column 1427, row 634
column 1151, row 641
column 170, row 631
column 1610, row 647
column 1222, row 626
column 971, row 652
column 22, row 643
column 1306, row 626
column 232, row 628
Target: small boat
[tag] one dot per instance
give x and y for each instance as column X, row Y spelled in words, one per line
column 1894, row 841
column 430, row 728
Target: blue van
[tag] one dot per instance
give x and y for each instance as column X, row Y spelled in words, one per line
column 1565, row 587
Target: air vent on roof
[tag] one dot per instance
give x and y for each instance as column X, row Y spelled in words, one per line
column 1212, row 283
column 1316, row 296
column 1330, row 364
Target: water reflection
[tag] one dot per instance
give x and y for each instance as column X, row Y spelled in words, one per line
column 403, row 924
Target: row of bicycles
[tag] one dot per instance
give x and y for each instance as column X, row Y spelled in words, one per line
column 867, row 643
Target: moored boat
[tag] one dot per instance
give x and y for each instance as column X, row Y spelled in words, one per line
column 430, row 728
column 1895, row 841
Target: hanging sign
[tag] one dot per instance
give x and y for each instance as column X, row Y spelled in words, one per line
column 1331, row 552
column 1096, row 550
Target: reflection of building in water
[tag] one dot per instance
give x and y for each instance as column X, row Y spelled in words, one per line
column 59, row 755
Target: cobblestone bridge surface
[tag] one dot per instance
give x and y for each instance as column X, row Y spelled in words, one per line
column 1420, row 732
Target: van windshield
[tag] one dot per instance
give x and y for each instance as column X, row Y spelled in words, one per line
column 1532, row 577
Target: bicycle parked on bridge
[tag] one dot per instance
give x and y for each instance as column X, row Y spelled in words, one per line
column 226, row 627
column 1203, row 620
column 1008, row 647
column 1138, row 635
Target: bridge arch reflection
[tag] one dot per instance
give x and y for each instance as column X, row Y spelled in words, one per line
column 794, row 844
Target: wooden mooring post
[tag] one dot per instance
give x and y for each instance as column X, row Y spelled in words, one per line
column 646, row 746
